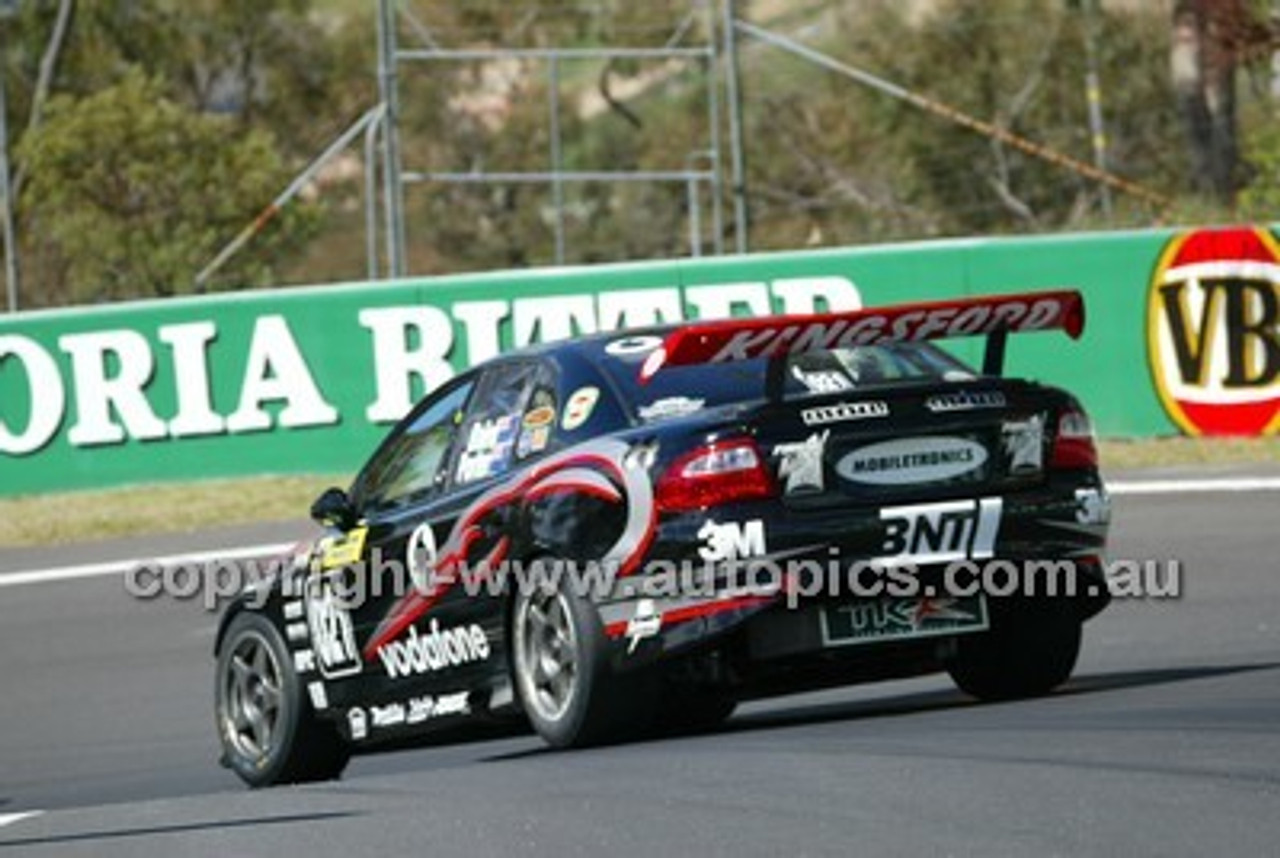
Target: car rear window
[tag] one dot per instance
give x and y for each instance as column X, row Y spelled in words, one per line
column 680, row 389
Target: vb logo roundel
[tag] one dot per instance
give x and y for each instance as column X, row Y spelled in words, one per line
column 1213, row 331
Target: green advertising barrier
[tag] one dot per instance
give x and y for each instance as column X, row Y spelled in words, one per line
column 308, row 379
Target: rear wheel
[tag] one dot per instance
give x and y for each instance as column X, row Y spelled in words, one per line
column 1030, row 650
column 561, row 671
column 268, row 730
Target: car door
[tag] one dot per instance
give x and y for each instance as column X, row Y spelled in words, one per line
column 360, row 574
column 421, row 630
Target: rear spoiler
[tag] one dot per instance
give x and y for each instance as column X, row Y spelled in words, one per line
column 993, row 316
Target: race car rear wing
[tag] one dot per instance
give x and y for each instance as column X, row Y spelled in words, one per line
column 993, row 316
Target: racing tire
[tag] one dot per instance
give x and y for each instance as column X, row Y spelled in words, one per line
column 561, row 672
column 1030, row 649
column 266, row 725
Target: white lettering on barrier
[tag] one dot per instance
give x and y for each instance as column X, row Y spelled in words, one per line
column 638, row 308
column 276, row 371
column 543, row 320
column 395, row 364
column 481, row 321
column 45, row 393
column 719, row 302
column 112, row 371
column 189, row 344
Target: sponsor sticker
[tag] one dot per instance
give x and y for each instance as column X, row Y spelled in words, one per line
column 319, row 697
column 390, row 715
column 533, row 441
column 822, row 381
column 1023, row 443
column 966, row 400
column 901, row 619
column 435, row 649
column 488, row 443
column 733, row 540
column 637, row 345
column 843, row 412
column 304, row 661
column 672, row 406
column 426, row 707
column 1213, row 331
column 912, row 461
column 941, row 532
column 645, row 623
column 801, row 465
column 358, row 722
column 1093, row 506
column 344, row 550
column 539, row 417
column 420, row 556
column 577, row 410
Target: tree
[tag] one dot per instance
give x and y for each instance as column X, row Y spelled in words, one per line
column 131, row 192
column 1211, row 39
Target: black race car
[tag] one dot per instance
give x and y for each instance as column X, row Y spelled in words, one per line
column 637, row 530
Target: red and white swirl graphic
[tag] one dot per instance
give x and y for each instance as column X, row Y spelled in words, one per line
column 597, row 468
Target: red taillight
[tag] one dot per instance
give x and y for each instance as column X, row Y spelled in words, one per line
column 1074, row 447
column 714, row 474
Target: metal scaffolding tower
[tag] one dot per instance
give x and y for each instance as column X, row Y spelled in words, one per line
column 702, row 168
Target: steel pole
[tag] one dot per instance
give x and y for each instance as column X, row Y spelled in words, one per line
column 393, row 189
column 742, row 225
column 1093, row 90
column 10, row 243
column 557, row 165
column 713, row 117
column 371, row 196
column 695, row 219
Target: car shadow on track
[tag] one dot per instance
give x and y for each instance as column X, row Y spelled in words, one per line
column 154, row 830
column 934, row 701
column 930, row 701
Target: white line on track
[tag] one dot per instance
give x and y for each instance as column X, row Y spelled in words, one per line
column 11, row 818
column 115, row 567
column 1173, row 487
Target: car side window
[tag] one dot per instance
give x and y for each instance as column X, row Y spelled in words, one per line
column 410, row 466
column 511, row 418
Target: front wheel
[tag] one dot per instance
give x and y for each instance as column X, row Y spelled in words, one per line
column 1030, row 649
column 268, row 730
column 561, row 671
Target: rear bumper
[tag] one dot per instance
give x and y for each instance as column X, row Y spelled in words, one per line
column 1043, row 543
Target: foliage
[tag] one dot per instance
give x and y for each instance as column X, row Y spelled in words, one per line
column 176, row 121
column 1261, row 199
column 134, row 192
column 871, row 167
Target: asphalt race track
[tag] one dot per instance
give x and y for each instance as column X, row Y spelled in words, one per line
column 1167, row 742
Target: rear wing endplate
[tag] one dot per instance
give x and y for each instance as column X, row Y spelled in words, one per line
column 993, row 316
